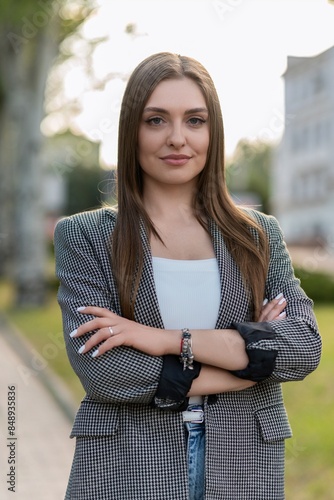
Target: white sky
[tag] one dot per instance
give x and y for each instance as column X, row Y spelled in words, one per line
column 244, row 44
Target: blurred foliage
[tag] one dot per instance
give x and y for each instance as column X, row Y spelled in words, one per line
column 130, row 28
column 2, row 94
column 32, row 33
column 82, row 187
column 74, row 162
column 317, row 285
column 71, row 14
column 249, row 170
column 13, row 14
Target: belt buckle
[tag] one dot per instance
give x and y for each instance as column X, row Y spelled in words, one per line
column 194, row 414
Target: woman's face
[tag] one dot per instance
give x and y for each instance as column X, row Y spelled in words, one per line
column 173, row 137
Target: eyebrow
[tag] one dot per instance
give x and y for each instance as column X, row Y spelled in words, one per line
column 187, row 112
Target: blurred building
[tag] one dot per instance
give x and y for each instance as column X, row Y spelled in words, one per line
column 303, row 173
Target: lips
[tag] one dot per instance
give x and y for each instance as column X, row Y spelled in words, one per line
column 176, row 157
column 176, row 160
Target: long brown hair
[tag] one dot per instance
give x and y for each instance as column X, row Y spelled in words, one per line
column 212, row 200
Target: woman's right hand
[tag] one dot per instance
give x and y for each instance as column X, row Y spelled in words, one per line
column 273, row 310
column 111, row 330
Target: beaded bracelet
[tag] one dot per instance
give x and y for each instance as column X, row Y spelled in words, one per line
column 186, row 352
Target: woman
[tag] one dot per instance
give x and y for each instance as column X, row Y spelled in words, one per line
column 181, row 312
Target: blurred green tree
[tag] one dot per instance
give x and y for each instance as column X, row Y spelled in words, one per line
column 83, row 189
column 31, row 33
column 249, row 171
column 73, row 161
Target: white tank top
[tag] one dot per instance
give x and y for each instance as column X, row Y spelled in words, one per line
column 188, row 292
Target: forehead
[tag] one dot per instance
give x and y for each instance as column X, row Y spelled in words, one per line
column 181, row 92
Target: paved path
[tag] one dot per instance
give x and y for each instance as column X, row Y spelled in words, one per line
column 42, row 449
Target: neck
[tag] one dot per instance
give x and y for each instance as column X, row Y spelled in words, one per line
column 169, row 202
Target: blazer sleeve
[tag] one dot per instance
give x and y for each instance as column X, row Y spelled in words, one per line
column 123, row 375
column 296, row 338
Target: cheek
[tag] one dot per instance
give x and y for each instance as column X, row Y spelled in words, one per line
column 203, row 144
column 145, row 145
column 145, row 152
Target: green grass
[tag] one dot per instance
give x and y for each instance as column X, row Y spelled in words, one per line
column 309, row 454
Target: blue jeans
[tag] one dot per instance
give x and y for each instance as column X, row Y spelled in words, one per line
column 196, row 460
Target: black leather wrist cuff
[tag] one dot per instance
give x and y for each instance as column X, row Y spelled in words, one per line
column 174, row 384
column 261, row 361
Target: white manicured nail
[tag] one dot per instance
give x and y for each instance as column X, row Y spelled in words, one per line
column 81, row 308
column 282, row 314
column 95, row 353
column 265, row 302
column 81, row 350
column 279, row 296
column 72, row 334
column 281, row 301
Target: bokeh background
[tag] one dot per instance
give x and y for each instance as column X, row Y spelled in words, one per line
column 63, row 69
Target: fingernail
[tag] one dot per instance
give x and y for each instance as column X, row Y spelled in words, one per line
column 81, row 350
column 279, row 296
column 282, row 314
column 81, row 308
column 72, row 334
column 281, row 301
column 95, row 353
column 265, row 302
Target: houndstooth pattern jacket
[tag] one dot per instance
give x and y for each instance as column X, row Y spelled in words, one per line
column 128, row 450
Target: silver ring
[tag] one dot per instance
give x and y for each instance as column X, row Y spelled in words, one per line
column 111, row 331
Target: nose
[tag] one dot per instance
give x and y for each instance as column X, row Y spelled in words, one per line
column 176, row 137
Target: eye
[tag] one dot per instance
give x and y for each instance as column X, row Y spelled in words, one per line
column 155, row 120
column 196, row 121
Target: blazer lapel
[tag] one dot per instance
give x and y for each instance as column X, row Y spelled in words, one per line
column 147, row 309
column 233, row 302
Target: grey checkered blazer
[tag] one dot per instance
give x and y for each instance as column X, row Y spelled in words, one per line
column 128, row 450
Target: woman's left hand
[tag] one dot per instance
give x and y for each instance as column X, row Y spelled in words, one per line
column 114, row 331
column 273, row 310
